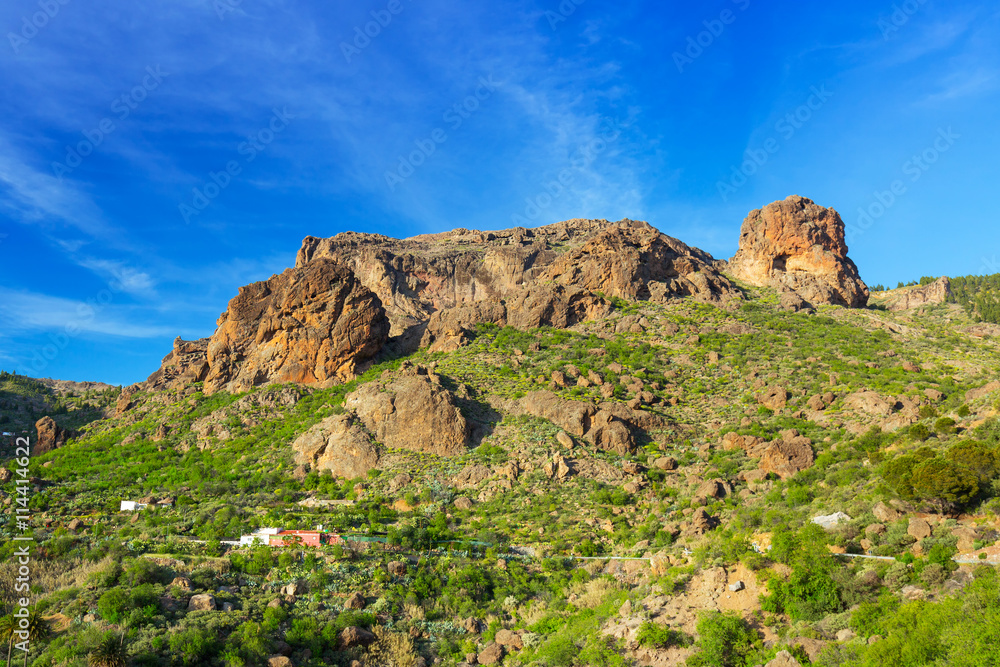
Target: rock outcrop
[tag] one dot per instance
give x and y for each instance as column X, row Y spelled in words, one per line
column 522, row 277
column 608, row 426
column 312, row 325
column 338, row 444
column 50, row 436
column 412, row 412
column 797, row 245
column 908, row 298
column 186, row 363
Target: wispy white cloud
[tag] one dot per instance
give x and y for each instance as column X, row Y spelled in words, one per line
column 26, row 311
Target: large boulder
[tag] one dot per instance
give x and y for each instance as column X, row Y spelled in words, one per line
column 794, row 244
column 314, row 325
column 788, row 455
column 203, row 602
column 50, row 436
column 317, row 324
column 338, row 444
column 608, row 426
column 868, row 402
column 352, row 636
column 412, row 412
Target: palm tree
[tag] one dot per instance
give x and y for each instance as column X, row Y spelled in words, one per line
column 38, row 629
column 7, row 626
column 111, row 652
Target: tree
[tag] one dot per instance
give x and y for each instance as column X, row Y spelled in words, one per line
column 110, row 652
column 944, row 483
column 725, row 640
column 38, row 629
column 7, row 626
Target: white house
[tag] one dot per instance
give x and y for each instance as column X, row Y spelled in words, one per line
column 259, row 536
column 132, row 506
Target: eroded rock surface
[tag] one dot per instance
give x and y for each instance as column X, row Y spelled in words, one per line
column 794, row 244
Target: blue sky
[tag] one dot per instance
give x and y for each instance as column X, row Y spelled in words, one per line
column 117, row 117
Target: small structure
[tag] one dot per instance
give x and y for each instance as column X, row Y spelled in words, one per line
column 304, row 538
column 132, row 506
column 259, row 536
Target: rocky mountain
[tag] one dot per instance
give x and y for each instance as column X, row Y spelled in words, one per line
column 324, row 320
column 583, row 444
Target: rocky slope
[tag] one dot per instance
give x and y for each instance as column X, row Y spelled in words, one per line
column 324, row 320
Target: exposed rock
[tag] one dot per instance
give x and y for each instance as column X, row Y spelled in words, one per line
column 918, row 528
column 557, row 468
column 517, row 276
column 124, row 402
column 203, row 602
column 783, row 659
column 774, row 398
column 884, row 513
column 75, row 525
column 413, row 412
column 787, row 456
column 355, row 601
column 908, row 298
column 564, row 439
column 463, row 503
column 181, row 582
column 795, row 244
column 792, row 301
column 606, row 427
column 712, row 488
column 338, row 444
column 491, row 655
column 352, row 636
column 868, row 402
column 50, row 436
column 829, row 521
column 471, row 476
column 985, row 390
column 280, row 661
column 313, row 325
column 701, row 522
column 510, row 640
column 186, row 363
column 845, row 635
column 665, row 463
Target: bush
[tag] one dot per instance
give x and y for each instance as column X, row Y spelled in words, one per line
column 113, row 605
column 652, row 635
column 725, row 640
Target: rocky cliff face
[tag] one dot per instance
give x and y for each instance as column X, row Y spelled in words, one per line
column 320, row 322
column 522, row 277
column 799, row 246
column 313, row 325
column 915, row 297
